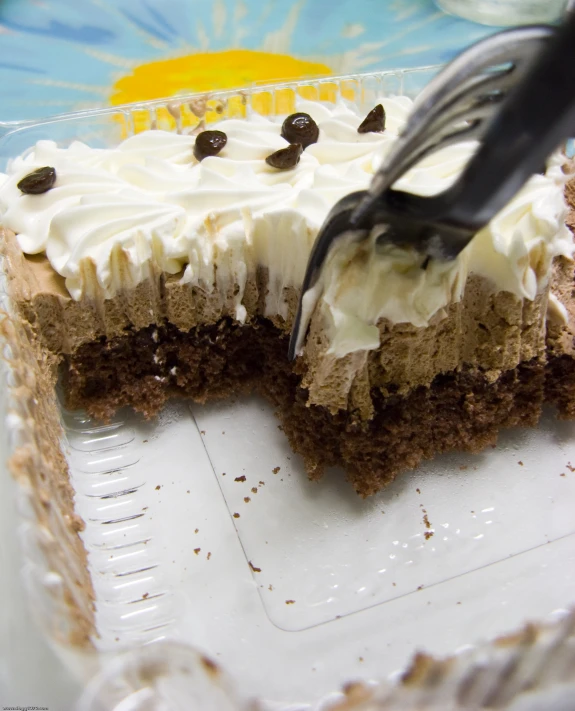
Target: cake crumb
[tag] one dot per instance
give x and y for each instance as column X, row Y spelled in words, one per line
column 254, row 490
column 158, row 487
column 563, row 474
column 223, row 473
column 394, row 585
column 188, row 491
column 361, row 659
column 247, row 499
column 210, row 666
column 197, row 530
column 420, row 587
column 428, row 535
column 240, row 478
column 270, row 587
column 202, row 432
column 197, row 551
column 520, row 463
column 290, row 602
column 570, row 467
column 275, row 470
column 262, row 483
column 209, row 555
column 236, row 515
column 144, row 441
column 145, row 595
column 253, row 567
column 418, row 491
column 425, row 519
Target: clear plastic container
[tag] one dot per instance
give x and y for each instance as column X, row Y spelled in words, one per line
column 308, row 587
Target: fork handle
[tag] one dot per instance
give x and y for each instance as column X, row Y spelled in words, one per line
column 537, row 116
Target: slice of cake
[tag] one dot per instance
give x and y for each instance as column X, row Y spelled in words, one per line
column 172, row 265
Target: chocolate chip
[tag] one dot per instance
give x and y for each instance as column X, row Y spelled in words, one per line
column 38, row 182
column 285, row 158
column 300, row 128
column 374, row 122
column 209, row 143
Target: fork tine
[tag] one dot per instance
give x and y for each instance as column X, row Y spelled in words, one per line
column 473, row 71
column 467, row 123
column 466, row 119
column 518, row 45
column 474, row 90
column 497, row 80
column 334, row 226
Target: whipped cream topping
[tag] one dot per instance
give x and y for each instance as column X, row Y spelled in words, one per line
column 117, row 216
column 150, row 198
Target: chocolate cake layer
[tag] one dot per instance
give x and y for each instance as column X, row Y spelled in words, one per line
column 461, row 410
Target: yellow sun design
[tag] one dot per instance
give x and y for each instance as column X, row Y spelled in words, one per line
column 210, row 71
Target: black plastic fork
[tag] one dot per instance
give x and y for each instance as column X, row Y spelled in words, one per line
column 513, row 92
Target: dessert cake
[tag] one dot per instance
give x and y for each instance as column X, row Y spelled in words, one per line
column 171, row 265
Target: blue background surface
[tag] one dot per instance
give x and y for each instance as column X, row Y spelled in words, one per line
column 63, row 55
